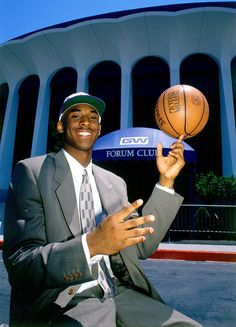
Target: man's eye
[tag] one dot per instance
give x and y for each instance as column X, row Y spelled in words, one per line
column 95, row 117
column 76, row 116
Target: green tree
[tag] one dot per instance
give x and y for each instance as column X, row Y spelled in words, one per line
column 216, row 189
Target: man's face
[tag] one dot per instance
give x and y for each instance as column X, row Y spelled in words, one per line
column 81, row 127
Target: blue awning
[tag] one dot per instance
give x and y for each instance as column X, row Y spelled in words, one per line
column 137, row 143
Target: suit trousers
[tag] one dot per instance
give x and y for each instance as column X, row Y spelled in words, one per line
column 128, row 308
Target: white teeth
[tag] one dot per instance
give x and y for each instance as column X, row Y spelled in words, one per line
column 84, row 133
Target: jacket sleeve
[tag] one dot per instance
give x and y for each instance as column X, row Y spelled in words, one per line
column 164, row 206
column 31, row 260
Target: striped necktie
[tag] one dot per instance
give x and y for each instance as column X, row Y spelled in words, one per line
column 87, row 216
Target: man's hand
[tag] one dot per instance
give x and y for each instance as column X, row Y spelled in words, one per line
column 116, row 233
column 170, row 166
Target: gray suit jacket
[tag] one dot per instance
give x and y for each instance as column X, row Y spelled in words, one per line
column 43, row 252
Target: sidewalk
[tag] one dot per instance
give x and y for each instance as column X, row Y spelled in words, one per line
column 203, row 290
column 198, row 251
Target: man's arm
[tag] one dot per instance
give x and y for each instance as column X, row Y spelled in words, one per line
column 163, row 207
column 164, row 202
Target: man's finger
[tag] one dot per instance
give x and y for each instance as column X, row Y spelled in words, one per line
column 134, row 240
column 159, row 150
column 128, row 209
column 178, row 144
column 137, row 235
column 135, row 222
column 136, row 232
column 180, row 139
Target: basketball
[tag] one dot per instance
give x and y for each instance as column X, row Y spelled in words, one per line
column 181, row 110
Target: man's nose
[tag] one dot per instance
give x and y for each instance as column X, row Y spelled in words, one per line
column 85, row 120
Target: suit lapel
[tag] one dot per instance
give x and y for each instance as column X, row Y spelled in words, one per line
column 111, row 201
column 66, row 193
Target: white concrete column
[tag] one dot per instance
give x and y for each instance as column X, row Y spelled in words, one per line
column 228, row 134
column 126, row 119
column 174, row 75
column 82, row 82
column 174, row 57
column 8, row 137
column 39, row 145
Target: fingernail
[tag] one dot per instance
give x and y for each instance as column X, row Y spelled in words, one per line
column 151, row 218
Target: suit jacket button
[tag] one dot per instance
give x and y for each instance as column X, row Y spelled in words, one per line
column 67, row 278
column 71, row 291
column 79, row 274
column 72, row 277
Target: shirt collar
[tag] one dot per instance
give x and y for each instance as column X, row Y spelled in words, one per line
column 75, row 165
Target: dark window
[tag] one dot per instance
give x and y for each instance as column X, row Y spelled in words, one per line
column 202, row 72
column 105, row 83
column 233, row 73
column 63, row 84
column 150, row 77
column 28, row 96
column 4, row 91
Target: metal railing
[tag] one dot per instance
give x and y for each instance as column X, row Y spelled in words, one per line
column 200, row 221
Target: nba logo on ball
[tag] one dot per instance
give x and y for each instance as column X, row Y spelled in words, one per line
column 173, row 100
column 181, row 110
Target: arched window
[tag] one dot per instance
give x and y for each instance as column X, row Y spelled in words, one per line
column 150, row 77
column 28, row 96
column 62, row 84
column 202, row 72
column 105, row 83
column 4, row 91
column 233, row 74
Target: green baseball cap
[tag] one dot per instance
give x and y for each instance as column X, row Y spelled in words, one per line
column 85, row 98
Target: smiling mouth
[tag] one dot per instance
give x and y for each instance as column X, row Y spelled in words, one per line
column 84, row 133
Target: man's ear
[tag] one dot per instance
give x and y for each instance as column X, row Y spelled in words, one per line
column 60, row 127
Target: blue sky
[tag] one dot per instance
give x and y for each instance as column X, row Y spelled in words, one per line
column 18, row 17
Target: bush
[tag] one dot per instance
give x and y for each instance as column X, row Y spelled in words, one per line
column 212, row 188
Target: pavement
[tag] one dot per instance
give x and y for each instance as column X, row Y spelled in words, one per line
column 204, row 289
column 224, row 251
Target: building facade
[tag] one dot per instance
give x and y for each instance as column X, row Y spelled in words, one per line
column 128, row 59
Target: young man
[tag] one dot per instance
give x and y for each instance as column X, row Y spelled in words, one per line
column 55, row 250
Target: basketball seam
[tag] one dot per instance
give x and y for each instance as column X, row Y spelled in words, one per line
column 201, row 115
column 185, row 113
column 167, row 116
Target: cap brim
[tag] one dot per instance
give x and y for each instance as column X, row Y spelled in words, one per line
column 97, row 103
